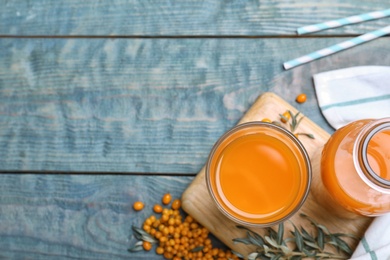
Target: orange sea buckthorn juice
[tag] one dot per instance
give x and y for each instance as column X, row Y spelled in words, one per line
column 355, row 168
column 258, row 174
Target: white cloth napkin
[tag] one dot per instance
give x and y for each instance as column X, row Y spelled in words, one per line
column 348, row 95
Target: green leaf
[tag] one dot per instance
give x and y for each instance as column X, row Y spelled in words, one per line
column 253, row 256
column 309, row 253
column 311, row 244
column 272, row 233
column 258, row 238
column 254, row 240
column 276, row 257
column 271, row 241
column 321, row 239
column 286, row 250
column 298, row 238
column 244, row 241
column 326, row 231
column 306, row 235
column 346, row 235
column 142, row 235
column 311, row 136
column 238, row 254
column 343, row 246
column 197, row 249
column 280, row 233
column 135, row 249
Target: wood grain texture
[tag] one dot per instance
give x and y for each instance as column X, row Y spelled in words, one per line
column 77, row 216
column 198, row 202
column 192, row 17
column 143, row 105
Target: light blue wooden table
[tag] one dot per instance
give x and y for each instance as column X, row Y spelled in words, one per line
column 103, row 103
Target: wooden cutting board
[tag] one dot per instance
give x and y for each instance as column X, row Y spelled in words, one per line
column 197, row 201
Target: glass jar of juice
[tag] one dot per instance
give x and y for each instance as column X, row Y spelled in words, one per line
column 258, row 174
column 355, row 168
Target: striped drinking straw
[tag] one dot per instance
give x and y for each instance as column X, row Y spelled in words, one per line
column 343, row 21
column 336, row 48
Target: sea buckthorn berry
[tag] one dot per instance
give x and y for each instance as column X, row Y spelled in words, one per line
column 147, row 245
column 148, row 222
column 166, row 199
column 146, row 228
column 176, row 204
column 159, row 250
column 301, row 98
column 194, row 225
column 138, row 205
column 157, row 208
column 189, row 219
column 164, row 218
column 168, row 255
column 266, row 120
column 285, row 117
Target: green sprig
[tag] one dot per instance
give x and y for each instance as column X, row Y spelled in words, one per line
column 302, row 244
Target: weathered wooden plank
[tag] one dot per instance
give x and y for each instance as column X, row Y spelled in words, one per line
column 192, row 17
column 145, row 105
column 77, row 216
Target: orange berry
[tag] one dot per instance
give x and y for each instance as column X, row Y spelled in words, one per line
column 160, row 250
column 285, row 117
column 301, row 98
column 138, row 205
column 176, row 204
column 266, row 120
column 166, row 199
column 147, row 245
column 157, row 208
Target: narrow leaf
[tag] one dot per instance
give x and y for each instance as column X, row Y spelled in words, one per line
column 343, row 246
column 306, row 235
column 271, row 241
column 254, row 234
column 286, row 250
column 135, row 249
column 280, row 233
column 272, row 233
column 311, row 244
column 238, row 254
column 298, row 122
column 253, row 256
column 346, row 235
column 309, row 253
column 197, row 249
column 139, row 243
column 326, row 231
column 255, row 241
column 311, row 136
column 298, row 238
column 244, row 241
column 142, row 235
column 321, row 239
column 276, row 257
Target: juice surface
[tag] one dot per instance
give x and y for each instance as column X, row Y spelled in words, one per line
column 259, row 177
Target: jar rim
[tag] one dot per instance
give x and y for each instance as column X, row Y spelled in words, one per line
column 360, row 158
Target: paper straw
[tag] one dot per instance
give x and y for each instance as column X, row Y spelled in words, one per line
column 336, row 48
column 344, row 21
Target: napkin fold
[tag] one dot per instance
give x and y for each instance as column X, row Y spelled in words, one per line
column 347, row 95
column 350, row 94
